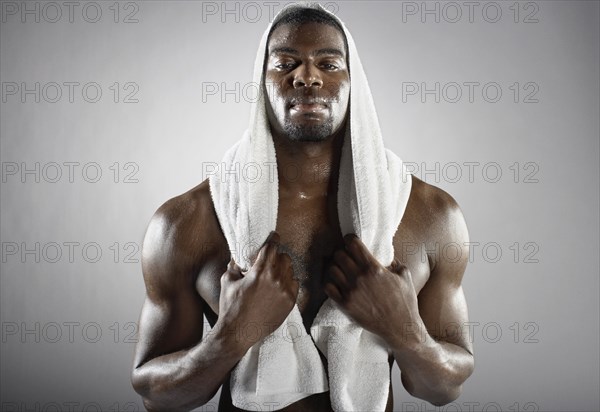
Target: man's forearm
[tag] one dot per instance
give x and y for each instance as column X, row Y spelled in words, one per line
column 188, row 378
column 431, row 370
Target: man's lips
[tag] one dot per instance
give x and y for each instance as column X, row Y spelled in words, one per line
column 308, row 107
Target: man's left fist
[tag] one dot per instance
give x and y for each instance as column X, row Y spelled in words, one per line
column 381, row 300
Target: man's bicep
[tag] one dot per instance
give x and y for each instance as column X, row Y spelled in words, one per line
column 172, row 315
column 442, row 303
column 444, row 313
column 167, row 326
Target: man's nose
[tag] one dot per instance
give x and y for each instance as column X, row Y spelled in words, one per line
column 306, row 75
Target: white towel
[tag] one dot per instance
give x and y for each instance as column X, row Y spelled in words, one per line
column 373, row 191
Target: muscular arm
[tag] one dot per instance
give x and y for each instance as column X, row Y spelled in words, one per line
column 426, row 333
column 435, row 366
column 174, row 368
column 187, row 378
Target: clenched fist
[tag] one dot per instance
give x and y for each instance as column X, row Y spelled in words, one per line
column 380, row 299
column 255, row 303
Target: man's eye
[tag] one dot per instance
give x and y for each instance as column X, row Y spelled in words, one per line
column 329, row 66
column 284, row 66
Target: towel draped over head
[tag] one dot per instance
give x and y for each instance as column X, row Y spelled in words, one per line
column 373, row 191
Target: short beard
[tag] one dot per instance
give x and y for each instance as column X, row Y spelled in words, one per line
column 308, row 133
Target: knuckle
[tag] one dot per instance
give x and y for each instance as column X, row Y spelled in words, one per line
column 339, row 255
column 291, row 291
column 272, row 243
column 285, row 258
column 397, row 266
column 259, row 265
column 277, row 284
column 226, row 277
column 403, row 271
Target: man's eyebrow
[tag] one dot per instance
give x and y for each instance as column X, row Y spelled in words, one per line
column 283, row 50
column 335, row 52
column 320, row 52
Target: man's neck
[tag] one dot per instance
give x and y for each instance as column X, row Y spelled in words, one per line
column 308, row 169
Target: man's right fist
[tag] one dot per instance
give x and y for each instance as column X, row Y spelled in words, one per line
column 255, row 303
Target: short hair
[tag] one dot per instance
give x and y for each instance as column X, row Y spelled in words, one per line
column 299, row 16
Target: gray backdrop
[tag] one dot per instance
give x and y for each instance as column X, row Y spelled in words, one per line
column 110, row 108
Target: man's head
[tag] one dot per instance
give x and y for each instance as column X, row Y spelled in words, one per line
column 307, row 78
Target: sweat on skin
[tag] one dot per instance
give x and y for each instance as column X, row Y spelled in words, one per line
column 306, row 261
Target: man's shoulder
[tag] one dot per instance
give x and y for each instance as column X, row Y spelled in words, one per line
column 187, row 208
column 184, row 227
column 434, row 224
column 435, row 213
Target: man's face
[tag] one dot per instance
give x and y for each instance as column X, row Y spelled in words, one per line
column 307, row 81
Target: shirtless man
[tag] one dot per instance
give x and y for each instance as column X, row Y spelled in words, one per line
column 416, row 305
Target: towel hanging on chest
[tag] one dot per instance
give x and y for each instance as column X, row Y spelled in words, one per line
column 373, row 191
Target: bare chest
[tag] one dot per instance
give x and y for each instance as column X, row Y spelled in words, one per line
column 310, row 234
